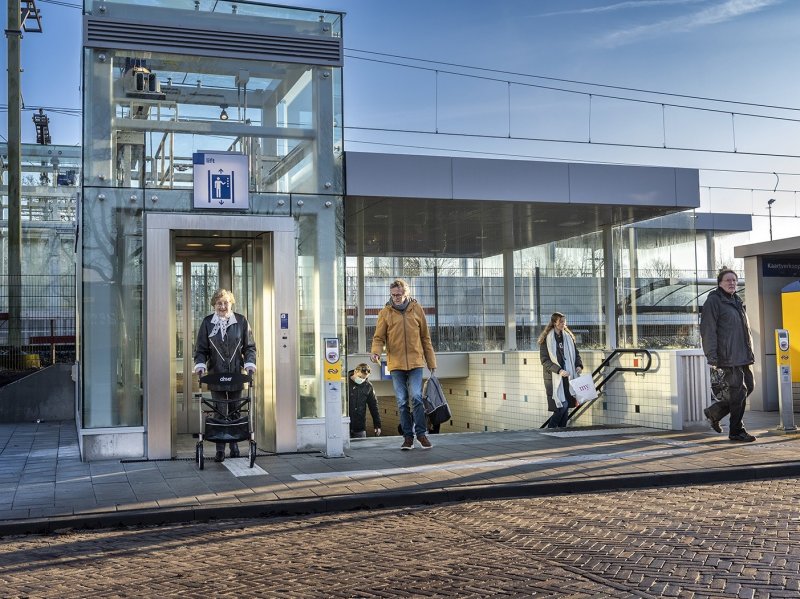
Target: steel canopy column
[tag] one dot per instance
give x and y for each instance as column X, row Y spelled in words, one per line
column 510, row 301
column 610, row 297
column 14, row 35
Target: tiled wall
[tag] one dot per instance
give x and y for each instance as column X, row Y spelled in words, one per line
column 505, row 391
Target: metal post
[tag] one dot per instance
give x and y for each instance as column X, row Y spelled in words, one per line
column 633, row 271
column 609, row 295
column 537, row 283
column 14, row 37
column 52, row 341
column 509, row 300
column 435, row 302
column 332, row 363
column 785, row 400
column 769, row 209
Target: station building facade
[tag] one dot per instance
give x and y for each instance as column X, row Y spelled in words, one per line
column 313, row 237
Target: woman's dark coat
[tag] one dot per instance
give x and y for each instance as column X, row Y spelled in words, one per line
column 725, row 331
column 548, row 368
column 229, row 355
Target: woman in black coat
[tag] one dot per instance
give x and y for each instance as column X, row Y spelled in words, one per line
column 224, row 344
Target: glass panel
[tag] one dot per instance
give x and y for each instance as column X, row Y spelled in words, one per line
column 242, row 279
column 464, row 298
column 204, row 282
column 180, row 347
column 112, row 307
column 152, row 111
column 320, row 291
column 146, row 113
column 659, row 293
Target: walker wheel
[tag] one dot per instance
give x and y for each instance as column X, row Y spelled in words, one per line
column 252, row 453
column 198, row 454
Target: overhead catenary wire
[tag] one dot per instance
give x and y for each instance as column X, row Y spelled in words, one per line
column 593, row 94
column 587, row 142
column 577, row 82
column 509, row 83
column 65, row 4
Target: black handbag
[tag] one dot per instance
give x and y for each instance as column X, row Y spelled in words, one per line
column 434, row 402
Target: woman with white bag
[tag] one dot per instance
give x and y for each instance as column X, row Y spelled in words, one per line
column 561, row 361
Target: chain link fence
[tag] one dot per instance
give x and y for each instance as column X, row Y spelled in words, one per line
column 44, row 334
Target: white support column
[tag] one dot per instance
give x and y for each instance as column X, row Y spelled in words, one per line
column 610, row 298
column 363, row 345
column 361, row 321
column 633, row 266
column 510, row 303
column 711, row 254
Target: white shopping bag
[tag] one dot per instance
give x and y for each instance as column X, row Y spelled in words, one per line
column 583, row 388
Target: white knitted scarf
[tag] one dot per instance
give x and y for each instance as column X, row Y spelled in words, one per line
column 569, row 364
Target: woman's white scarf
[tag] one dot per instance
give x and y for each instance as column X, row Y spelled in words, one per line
column 569, row 364
column 221, row 324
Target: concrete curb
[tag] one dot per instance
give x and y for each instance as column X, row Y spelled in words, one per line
column 386, row 500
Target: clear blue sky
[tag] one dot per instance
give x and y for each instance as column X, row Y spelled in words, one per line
column 743, row 50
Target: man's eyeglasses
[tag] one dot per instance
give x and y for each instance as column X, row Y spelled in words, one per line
column 364, row 370
column 397, row 294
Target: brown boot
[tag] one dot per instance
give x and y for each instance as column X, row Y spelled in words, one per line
column 408, row 443
column 424, row 442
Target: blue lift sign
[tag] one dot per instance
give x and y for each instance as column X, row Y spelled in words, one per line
column 221, row 180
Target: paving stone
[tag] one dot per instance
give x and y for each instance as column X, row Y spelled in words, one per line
column 625, row 544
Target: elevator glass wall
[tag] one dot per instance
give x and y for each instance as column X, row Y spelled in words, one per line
column 153, row 101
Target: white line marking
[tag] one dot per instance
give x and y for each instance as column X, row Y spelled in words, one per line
column 598, row 432
column 241, row 467
column 496, row 464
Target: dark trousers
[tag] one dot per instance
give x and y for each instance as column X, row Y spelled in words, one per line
column 223, row 406
column 735, row 385
column 558, row 419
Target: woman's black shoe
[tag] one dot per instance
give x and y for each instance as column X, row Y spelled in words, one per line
column 234, row 451
column 220, row 456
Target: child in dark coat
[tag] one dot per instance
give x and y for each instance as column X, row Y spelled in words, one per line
column 362, row 396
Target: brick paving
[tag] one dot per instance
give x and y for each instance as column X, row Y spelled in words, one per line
column 703, row 541
column 44, row 486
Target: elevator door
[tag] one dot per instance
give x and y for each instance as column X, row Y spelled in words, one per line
column 188, row 257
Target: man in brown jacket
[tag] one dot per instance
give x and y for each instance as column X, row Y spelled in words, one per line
column 403, row 330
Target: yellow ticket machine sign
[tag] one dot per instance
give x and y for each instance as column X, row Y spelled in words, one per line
column 790, row 308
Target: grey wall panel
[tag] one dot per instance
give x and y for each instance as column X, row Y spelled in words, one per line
column 718, row 221
column 622, row 185
column 440, row 177
column 398, row 175
column 687, row 187
column 510, row 180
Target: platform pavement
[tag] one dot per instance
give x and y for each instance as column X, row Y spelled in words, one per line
column 45, row 487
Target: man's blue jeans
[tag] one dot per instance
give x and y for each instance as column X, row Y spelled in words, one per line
column 409, row 382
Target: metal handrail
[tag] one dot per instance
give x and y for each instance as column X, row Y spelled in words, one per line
column 605, row 378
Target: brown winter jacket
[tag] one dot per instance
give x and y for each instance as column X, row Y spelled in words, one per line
column 405, row 336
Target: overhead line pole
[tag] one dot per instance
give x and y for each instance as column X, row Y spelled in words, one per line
column 14, row 37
